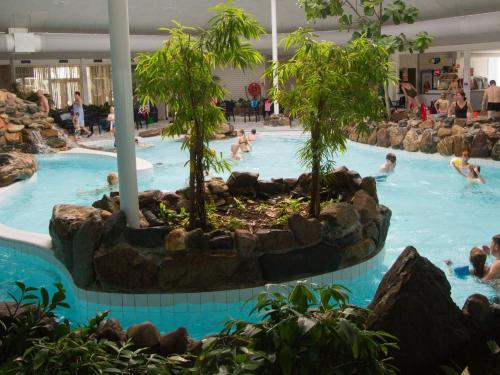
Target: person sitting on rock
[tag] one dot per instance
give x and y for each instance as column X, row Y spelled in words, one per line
column 474, row 174
column 461, row 164
column 389, row 164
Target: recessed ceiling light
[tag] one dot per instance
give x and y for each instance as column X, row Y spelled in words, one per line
column 59, row 2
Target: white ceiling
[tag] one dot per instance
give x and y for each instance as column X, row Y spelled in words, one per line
column 146, row 16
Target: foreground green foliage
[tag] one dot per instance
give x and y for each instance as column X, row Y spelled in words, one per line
column 181, row 75
column 303, row 329
column 334, row 87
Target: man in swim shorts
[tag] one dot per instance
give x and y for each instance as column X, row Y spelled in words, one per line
column 491, row 100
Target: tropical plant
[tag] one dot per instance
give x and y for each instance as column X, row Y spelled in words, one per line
column 31, row 315
column 181, row 75
column 334, row 87
column 367, row 17
column 306, row 329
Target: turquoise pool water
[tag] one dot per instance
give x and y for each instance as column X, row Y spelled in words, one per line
column 434, row 209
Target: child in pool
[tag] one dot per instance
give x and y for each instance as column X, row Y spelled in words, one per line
column 474, row 174
column 477, row 259
column 389, row 164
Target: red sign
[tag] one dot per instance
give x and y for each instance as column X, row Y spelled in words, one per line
column 437, row 72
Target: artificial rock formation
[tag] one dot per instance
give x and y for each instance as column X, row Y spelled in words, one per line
column 157, row 257
column 16, row 166
column 413, row 302
column 481, row 136
column 24, row 128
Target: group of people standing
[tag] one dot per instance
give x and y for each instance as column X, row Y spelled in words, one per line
column 459, row 108
column 243, row 143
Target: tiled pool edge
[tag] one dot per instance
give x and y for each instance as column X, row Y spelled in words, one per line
column 40, row 245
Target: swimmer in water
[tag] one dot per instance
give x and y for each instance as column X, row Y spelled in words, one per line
column 461, row 164
column 112, row 180
column 474, row 174
column 235, row 151
column 389, row 165
column 477, row 259
column 140, row 144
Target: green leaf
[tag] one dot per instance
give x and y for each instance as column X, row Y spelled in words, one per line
column 286, row 360
column 306, row 324
column 40, row 358
column 493, row 346
column 45, row 297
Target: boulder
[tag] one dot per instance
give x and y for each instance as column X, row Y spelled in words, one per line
column 195, row 240
column 342, row 219
column 56, row 142
column 481, row 146
column 217, row 186
column 15, row 166
column 495, row 151
column 411, row 141
column 427, row 144
column 14, row 128
column 111, row 330
column 113, row 228
column 207, row 271
column 144, row 335
column 174, row 342
column 457, row 130
column 274, row 240
column 270, row 187
column 13, row 137
column 226, row 129
column 242, row 180
column 222, row 242
column 397, row 135
column 153, row 132
column 445, row 146
column 306, row 231
column 369, row 185
column 124, row 268
column 383, row 138
column 358, row 252
column 399, row 116
column 50, row 133
column 365, row 205
column 311, row 260
column 175, row 240
column 444, row 132
column 150, row 237
column 458, row 144
column 413, row 303
column 245, row 242
column 107, row 204
column 85, row 243
column 427, row 124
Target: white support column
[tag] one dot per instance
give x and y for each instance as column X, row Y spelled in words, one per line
column 122, row 90
column 274, row 31
column 467, row 75
column 394, row 86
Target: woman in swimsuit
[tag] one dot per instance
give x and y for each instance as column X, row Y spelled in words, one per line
column 460, row 107
column 243, row 141
column 411, row 94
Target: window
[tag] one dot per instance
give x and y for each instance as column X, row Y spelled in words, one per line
column 494, row 68
column 60, row 81
column 99, row 84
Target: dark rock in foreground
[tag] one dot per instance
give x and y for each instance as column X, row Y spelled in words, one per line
column 15, row 166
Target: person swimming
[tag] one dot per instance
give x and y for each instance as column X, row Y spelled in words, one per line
column 461, row 164
column 474, row 174
column 243, row 141
column 389, row 164
column 477, row 259
column 112, row 180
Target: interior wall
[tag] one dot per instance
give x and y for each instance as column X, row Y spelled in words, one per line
column 5, row 81
column 480, row 65
column 235, row 81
